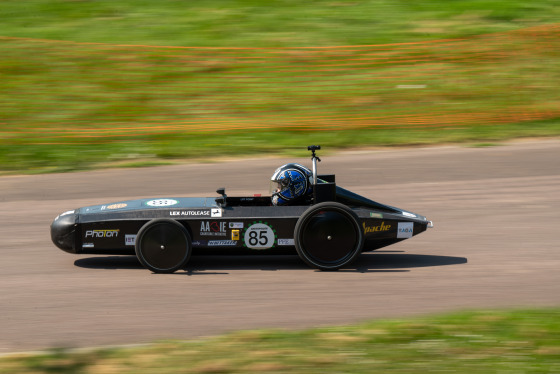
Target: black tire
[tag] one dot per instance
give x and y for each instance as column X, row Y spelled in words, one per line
column 328, row 236
column 163, row 245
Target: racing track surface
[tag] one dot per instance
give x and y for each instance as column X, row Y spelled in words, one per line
column 495, row 243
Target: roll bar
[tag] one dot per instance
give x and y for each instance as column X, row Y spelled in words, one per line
column 326, row 190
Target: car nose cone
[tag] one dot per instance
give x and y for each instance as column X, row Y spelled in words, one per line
column 63, row 231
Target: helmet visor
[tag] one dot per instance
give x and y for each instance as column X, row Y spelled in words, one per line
column 278, row 185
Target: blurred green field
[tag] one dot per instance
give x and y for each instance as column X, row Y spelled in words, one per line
column 518, row 341
column 87, row 84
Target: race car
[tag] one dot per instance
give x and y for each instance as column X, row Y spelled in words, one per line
column 327, row 225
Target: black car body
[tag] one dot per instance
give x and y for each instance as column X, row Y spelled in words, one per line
column 328, row 232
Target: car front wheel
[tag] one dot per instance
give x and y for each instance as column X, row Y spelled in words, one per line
column 163, row 245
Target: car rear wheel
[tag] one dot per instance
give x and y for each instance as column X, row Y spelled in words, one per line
column 328, row 236
column 163, row 245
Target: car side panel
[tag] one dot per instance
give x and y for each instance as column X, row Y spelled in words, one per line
column 252, row 229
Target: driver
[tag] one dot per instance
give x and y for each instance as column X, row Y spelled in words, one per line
column 290, row 183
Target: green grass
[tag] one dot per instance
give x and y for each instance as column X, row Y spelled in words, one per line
column 517, row 341
column 165, row 150
column 87, row 84
column 252, row 23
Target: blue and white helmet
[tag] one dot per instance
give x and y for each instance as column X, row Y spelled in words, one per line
column 289, row 183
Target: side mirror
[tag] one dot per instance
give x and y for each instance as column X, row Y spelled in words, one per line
column 221, row 200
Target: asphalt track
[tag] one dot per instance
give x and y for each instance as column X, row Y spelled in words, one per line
column 495, row 243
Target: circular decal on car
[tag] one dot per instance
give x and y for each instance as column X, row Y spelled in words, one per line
column 259, row 235
column 162, row 202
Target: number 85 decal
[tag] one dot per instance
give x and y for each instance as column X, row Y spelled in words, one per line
column 259, row 236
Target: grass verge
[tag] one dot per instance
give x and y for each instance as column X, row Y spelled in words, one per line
column 94, row 83
column 29, row 158
column 515, row 341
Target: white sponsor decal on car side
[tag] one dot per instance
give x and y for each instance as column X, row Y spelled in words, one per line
column 198, row 212
column 216, row 212
column 130, row 239
column 286, row 242
column 405, row 230
column 236, row 225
